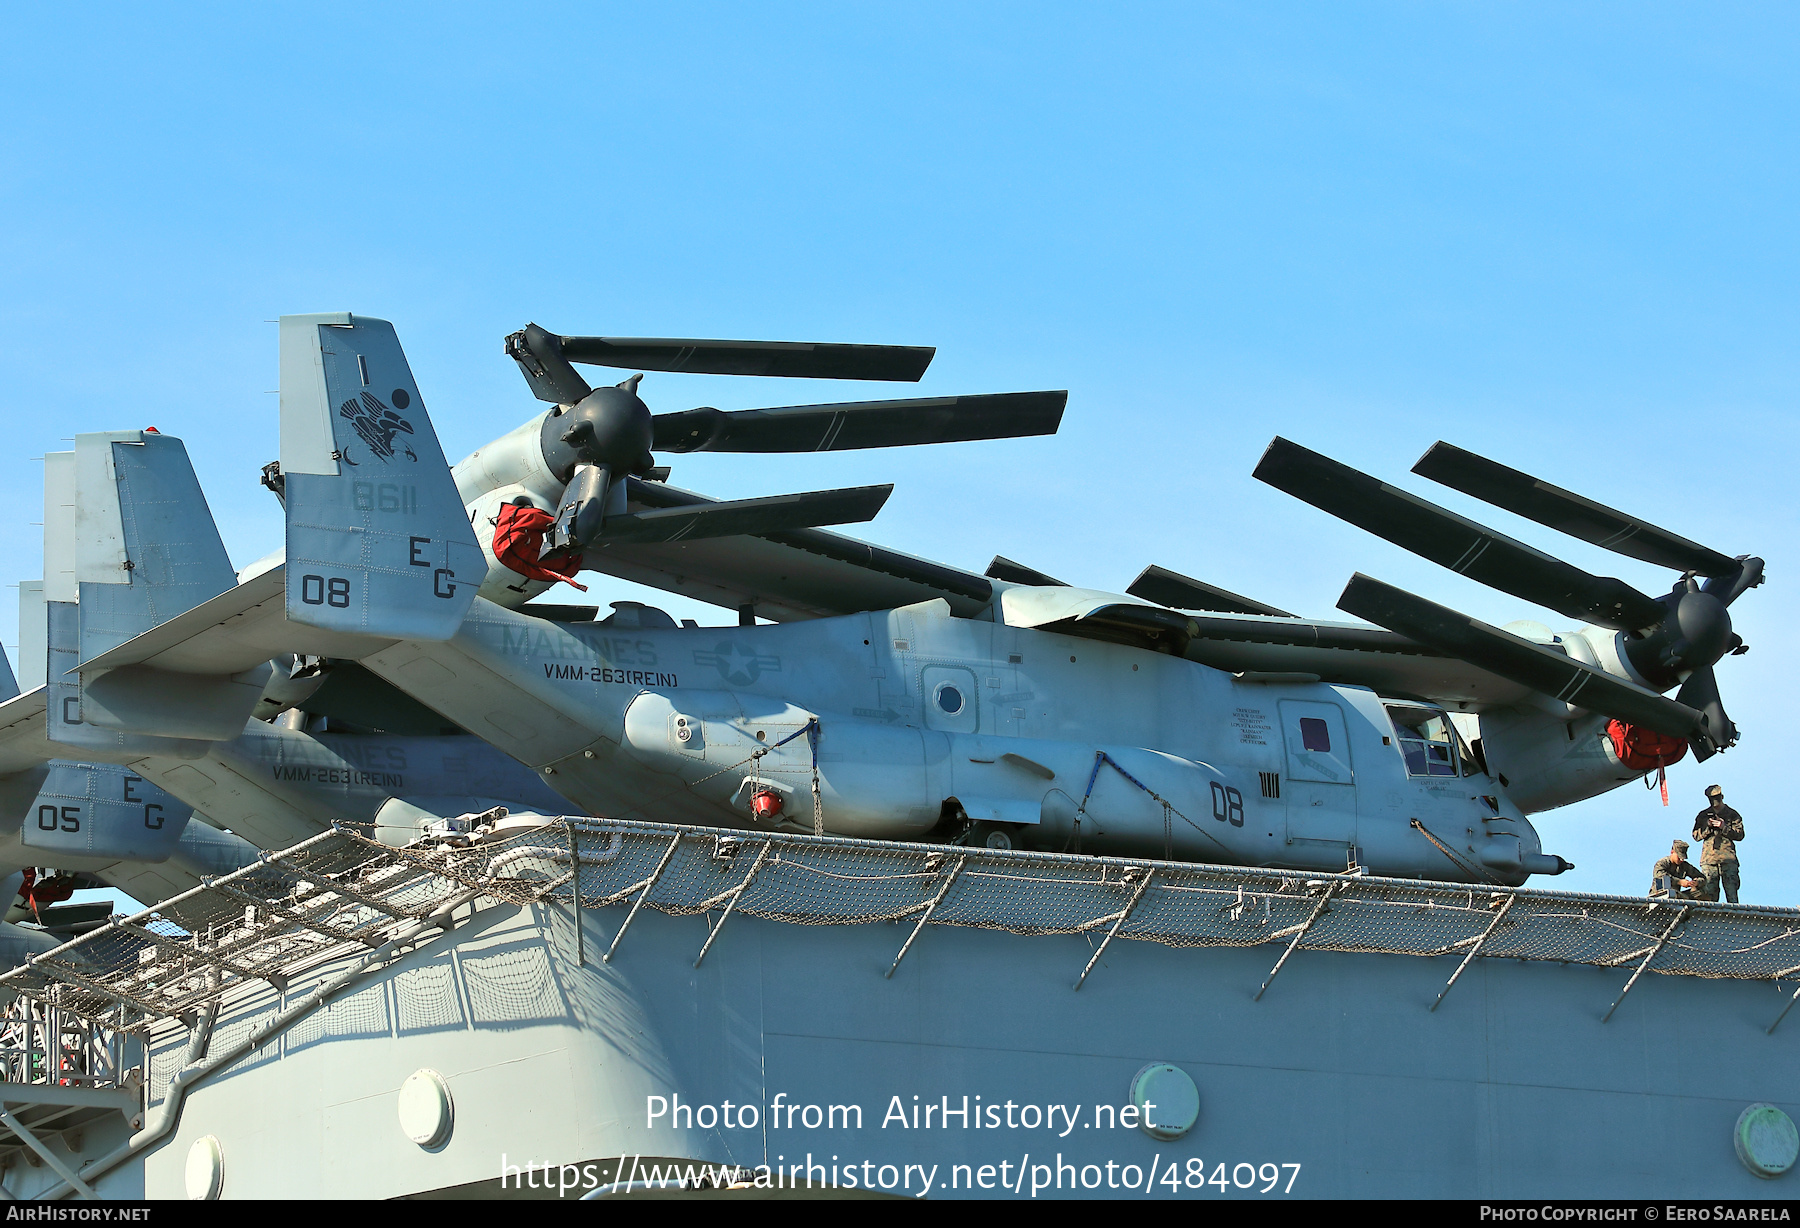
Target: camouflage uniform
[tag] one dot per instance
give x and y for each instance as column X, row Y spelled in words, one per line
column 1676, row 868
column 1718, row 856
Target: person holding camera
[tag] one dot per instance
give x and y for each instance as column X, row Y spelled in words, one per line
column 1675, row 876
column 1718, row 828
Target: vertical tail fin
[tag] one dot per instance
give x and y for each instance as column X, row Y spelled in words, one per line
column 377, row 540
column 146, row 546
column 70, row 541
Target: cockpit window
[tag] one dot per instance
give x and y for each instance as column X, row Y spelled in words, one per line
column 1429, row 743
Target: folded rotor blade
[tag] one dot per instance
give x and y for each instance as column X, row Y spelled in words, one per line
column 775, row 513
column 1729, row 588
column 584, row 501
column 1461, row 545
column 1701, row 693
column 539, row 355
column 1173, row 589
column 1518, row 660
column 1003, row 568
column 796, row 359
column 861, row 424
column 965, row 586
column 1568, row 512
column 1297, row 634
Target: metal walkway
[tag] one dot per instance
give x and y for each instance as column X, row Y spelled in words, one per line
column 340, row 892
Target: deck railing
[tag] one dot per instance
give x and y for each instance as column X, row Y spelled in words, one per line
column 341, row 891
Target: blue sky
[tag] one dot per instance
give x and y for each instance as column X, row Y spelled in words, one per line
column 1562, row 236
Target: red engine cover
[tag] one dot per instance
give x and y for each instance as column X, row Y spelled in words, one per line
column 1641, row 749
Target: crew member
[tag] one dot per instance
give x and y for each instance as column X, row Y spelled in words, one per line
column 1675, row 876
column 1719, row 828
column 519, row 539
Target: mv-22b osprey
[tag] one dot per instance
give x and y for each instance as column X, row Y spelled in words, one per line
column 900, row 698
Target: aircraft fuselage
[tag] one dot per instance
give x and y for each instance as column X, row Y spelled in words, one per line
column 1062, row 742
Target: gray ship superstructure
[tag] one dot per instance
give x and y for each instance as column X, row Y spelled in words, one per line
column 789, row 1011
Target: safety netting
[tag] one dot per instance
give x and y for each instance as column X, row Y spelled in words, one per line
column 341, row 892
column 290, row 911
column 831, row 881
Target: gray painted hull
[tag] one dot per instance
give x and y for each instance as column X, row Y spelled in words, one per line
column 1514, row 1088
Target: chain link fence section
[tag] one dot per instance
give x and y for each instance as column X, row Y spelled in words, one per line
column 341, row 892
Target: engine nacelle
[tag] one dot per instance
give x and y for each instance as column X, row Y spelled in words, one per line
column 514, row 459
column 497, row 473
column 1544, row 762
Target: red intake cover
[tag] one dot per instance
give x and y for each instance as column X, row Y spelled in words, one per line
column 1642, row 749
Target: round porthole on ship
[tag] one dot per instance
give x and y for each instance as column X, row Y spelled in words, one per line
column 205, row 1169
column 1766, row 1140
column 949, row 699
column 1167, row 1100
column 426, row 1110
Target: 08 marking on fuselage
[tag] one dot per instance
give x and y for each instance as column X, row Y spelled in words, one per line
column 1227, row 804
